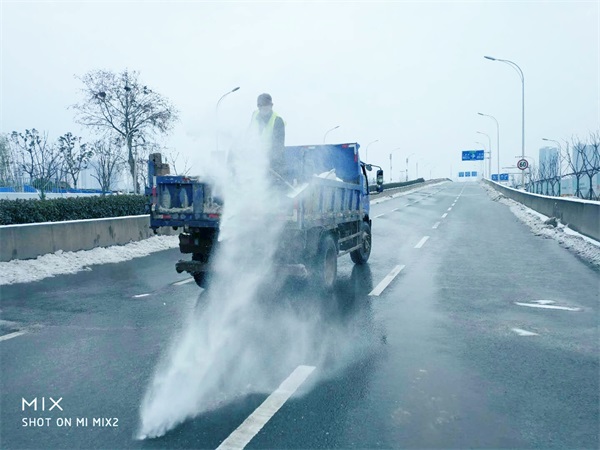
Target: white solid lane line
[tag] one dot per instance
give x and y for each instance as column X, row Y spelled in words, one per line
column 387, row 280
column 437, row 224
column 261, row 415
column 537, row 305
column 186, row 281
column 521, row 332
column 422, row 242
column 377, row 217
column 6, row 337
column 444, row 215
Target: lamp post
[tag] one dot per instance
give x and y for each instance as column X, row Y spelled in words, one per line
column 417, row 166
column 367, row 150
column 520, row 72
column 497, row 143
column 407, row 165
column 490, row 147
column 217, row 111
column 430, row 169
column 398, row 148
column 327, row 132
column 559, row 154
column 483, row 145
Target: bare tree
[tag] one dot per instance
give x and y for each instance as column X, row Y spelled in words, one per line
column 7, row 177
column 591, row 163
column 108, row 162
column 575, row 161
column 76, row 155
column 172, row 157
column 120, row 103
column 553, row 179
column 37, row 158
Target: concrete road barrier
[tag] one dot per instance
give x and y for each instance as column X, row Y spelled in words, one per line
column 580, row 215
column 32, row 240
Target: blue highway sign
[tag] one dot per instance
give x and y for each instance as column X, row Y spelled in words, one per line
column 503, row 177
column 494, row 177
column 461, row 174
column 472, row 155
column 473, row 174
column 467, row 174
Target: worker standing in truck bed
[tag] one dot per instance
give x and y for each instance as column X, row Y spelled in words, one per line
column 269, row 128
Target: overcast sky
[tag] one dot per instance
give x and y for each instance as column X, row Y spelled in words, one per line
column 409, row 74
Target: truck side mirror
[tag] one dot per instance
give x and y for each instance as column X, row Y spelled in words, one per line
column 368, row 167
column 380, row 180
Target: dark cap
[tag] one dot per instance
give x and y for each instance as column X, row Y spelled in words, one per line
column 264, row 99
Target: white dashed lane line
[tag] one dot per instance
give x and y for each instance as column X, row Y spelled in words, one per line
column 521, row 332
column 186, row 281
column 544, row 306
column 261, row 415
column 444, row 215
column 450, row 209
column 422, row 242
column 6, row 337
column 437, row 224
column 141, row 295
column 386, row 281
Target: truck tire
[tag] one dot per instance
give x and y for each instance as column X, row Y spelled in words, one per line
column 201, row 278
column 361, row 255
column 324, row 267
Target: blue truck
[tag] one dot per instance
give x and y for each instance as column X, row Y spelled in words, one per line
column 326, row 215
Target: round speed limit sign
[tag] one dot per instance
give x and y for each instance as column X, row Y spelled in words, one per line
column 522, row 164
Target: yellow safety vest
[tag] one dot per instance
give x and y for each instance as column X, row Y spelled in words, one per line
column 266, row 134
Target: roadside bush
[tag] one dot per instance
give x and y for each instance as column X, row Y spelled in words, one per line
column 75, row 208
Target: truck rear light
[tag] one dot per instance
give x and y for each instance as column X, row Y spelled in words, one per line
column 166, row 216
column 214, row 216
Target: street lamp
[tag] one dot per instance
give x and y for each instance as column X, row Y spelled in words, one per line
column 490, row 147
column 407, row 165
column 327, row 132
column 398, row 148
column 367, row 150
column 520, row 72
column 497, row 143
column 483, row 145
column 417, row 166
column 430, row 169
column 559, row 154
column 217, row 111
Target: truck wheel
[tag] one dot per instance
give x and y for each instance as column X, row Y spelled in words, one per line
column 361, row 255
column 324, row 270
column 201, row 279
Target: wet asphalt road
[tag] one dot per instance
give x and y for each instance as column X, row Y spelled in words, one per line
column 435, row 361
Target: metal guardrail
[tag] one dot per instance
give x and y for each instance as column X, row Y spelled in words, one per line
column 580, row 215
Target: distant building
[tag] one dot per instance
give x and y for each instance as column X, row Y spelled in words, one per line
column 582, row 159
column 549, row 161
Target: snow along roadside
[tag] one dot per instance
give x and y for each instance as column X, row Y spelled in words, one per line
column 586, row 248
column 58, row 263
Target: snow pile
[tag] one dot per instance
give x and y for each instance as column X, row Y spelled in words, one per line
column 551, row 228
column 58, row 263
